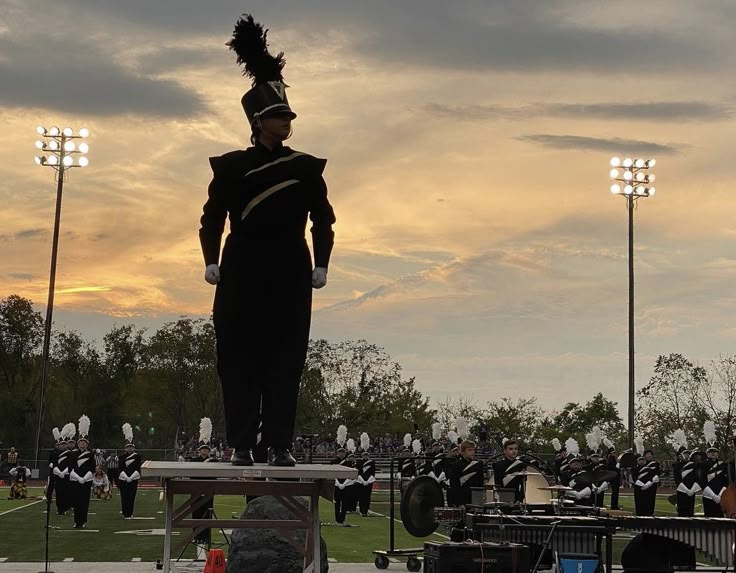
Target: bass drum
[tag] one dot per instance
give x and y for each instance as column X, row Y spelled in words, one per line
column 534, row 495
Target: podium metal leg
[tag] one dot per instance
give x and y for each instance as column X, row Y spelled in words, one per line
column 316, row 534
column 169, row 526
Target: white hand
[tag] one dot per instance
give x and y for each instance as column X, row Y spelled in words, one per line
column 212, row 274
column 319, row 277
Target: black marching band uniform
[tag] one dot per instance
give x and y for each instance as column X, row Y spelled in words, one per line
column 366, row 477
column 464, row 475
column 560, row 465
column 599, row 490
column 407, row 469
column 509, row 473
column 685, row 474
column 717, row 482
column 340, row 485
column 61, row 471
column 581, row 493
column 130, row 466
column 613, row 466
column 262, row 306
column 645, row 487
column 435, row 466
column 53, row 461
column 82, row 469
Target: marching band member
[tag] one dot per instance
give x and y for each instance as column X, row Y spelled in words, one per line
column 645, row 486
column 53, row 460
column 466, row 474
column 366, row 476
column 717, row 481
column 613, row 466
column 581, row 494
column 81, row 475
column 340, row 485
column 130, row 465
column 685, row 474
column 510, row 471
column 600, row 487
column 61, row 471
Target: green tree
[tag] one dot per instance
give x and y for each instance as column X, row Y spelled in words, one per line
column 575, row 420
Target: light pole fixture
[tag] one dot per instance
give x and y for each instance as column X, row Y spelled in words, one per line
column 633, row 180
column 61, row 150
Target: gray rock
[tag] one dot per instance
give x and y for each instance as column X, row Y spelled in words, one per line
column 265, row 550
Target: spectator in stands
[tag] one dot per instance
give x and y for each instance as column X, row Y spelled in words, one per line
column 113, row 467
column 12, row 457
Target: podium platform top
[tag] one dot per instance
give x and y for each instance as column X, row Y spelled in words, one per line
column 152, row 469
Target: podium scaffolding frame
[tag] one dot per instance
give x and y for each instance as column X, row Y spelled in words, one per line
column 199, row 481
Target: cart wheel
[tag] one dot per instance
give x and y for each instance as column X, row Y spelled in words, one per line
column 381, row 562
column 413, row 564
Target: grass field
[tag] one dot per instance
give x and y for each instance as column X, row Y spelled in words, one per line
column 109, row 537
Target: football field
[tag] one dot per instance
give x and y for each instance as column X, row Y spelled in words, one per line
column 108, row 537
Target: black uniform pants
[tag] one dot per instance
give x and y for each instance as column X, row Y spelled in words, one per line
column 127, row 496
column 685, row 505
column 711, row 508
column 81, row 496
column 645, row 500
column 112, row 475
column 364, row 499
column 62, row 494
column 339, row 505
column 615, row 487
column 51, row 486
column 262, row 317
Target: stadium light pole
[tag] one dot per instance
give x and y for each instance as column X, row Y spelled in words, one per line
column 632, row 179
column 60, row 148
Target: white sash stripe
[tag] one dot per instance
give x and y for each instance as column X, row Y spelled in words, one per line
column 279, row 160
column 264, row 195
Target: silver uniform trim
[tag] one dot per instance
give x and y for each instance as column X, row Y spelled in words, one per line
column 264, row 195
column 279, row 160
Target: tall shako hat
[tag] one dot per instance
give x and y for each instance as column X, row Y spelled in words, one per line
column 84, row 424
column 57, row 435
column 268, row 94
column 205, row 433
column 128, row 434
column 71, row 431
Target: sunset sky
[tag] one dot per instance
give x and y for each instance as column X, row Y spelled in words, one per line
column 468, row 146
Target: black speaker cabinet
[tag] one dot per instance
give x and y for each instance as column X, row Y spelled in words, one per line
column 453, row 557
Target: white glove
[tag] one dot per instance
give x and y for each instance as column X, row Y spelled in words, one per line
column 639, row 483
column 717, row 499
column 646, row 486
column 212, row 274
column 319, row 277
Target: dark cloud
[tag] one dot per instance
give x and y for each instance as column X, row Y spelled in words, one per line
column 648, row 111
column 166, row 60
column 31, row 234
column 21, row 276
column 75, row 77
column 613, row 145
column 473, row 35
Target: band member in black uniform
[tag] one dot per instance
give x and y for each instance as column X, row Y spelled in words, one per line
column 81, row 475
column 130, row 467
column 645, row 486
column 407, row 468
column 510, row 472
column 53, row 460
column 600, row 487
column 581, row 492
column 559, row 466
column 340, row 485
column 62, row 469
column 612, row 465
column 717, row 481
column 366, row 478
column 205, row 510
column 466, row 474
column 684, row 472
column 438, row 461
column 265, row 276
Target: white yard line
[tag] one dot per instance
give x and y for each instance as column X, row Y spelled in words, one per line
column 68, row 559
column 20, row 507
column 3, row 559
column 136, row 559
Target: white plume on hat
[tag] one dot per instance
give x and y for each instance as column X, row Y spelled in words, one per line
column 416, row 445
column 678, row 439
column 639, row 443
column 205, row 430
column 709, row 430
column 84, row 424
column 342, row 435
column 128, row 432
column 556, row 444
column 351, row 445
column 68, row 431
column 608, row 443
column 56, row 433
column 365, row 441
column 572, row 447
column 452, row 437
column 436, row 432
column 407, row 440
column 462, row 427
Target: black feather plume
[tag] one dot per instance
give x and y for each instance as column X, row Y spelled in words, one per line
column 249, row 43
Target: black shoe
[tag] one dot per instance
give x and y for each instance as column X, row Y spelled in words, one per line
column 242, row 458
column 281, row 457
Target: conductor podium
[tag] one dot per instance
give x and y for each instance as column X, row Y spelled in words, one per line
column 196, row 481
